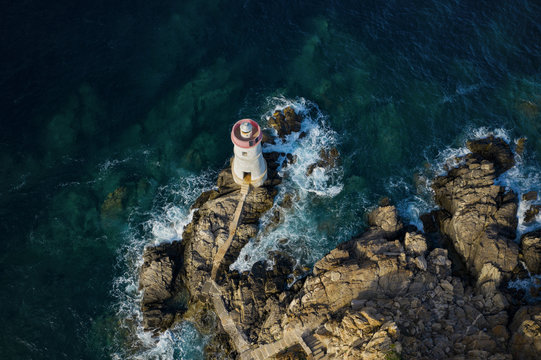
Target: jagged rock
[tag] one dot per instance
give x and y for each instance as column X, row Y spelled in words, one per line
column 328, row 158
column 481, row 217
column 530, row 196
column 368, row 298
column 530, row 248
column 160, row 283
column 531, row 213
column 415, row 244
column 494, row 150
column 525, row 344
column 386, row 219
column 285, row 122
column 381, row 295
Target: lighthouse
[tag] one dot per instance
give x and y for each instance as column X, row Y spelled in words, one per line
column 248, row 165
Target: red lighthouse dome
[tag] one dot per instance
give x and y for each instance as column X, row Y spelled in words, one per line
column 246, row 133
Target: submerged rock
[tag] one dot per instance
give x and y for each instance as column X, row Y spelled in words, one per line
column 525, row 343
column 114, row 202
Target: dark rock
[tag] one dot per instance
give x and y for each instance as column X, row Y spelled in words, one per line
column 530, row 247
column 531, row 213
column 285, row 122
column 494, row 150
column 267, row 138
column 328, row 158
column 429, row 222
column 529, row 196
column 293, row 120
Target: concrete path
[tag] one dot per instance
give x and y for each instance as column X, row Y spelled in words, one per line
column 222, row 250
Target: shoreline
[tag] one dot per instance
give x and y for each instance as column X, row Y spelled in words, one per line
column 358, row 300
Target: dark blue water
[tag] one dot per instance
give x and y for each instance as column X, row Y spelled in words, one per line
column 116, row 115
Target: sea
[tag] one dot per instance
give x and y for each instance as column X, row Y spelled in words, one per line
column 116, row 115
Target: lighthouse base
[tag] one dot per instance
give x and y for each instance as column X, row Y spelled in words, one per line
column 246, row 177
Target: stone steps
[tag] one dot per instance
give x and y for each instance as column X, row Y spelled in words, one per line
column 244, row 188
column 317, row 350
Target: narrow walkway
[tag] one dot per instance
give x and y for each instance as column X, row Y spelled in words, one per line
column 313, row 348
column 228, row 324
column 222, row 250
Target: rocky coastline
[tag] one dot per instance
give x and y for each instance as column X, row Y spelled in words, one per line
column 393, row 292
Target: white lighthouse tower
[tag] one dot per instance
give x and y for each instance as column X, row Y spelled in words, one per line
column 248, row 165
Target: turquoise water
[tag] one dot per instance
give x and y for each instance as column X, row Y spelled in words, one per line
column 136, row 100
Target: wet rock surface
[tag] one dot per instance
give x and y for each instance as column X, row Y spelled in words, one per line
column 389, row 293
column 285, row 122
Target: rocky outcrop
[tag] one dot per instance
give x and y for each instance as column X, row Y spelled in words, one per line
column 160, row 284
column 530, row 249
column 480, row 218
column 525, row 343
column 285, row 122
column 495, row 150
column 531, row 214
column 328, row 158
column 378, row 296
column 389, row 293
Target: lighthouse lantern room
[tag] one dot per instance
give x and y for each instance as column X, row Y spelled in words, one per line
column 248, row 165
